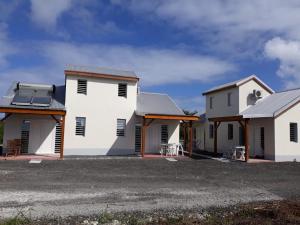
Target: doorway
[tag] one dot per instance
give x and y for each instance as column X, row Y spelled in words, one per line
column 25, row 132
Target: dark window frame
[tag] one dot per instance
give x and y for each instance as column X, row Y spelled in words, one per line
column 229, row 98
column 121, row 127
column 122, row 89
column 164, row 137
column 80, row 129
column 294, row 132
column 211, row 131
column 230, row 131
column 262, row 138
column 82, row 86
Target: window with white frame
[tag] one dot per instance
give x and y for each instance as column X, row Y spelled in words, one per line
column 122, row 90
column 121, row 127
column 164, row 134
column 82, row 87
column 293, row 132
column 80, row 126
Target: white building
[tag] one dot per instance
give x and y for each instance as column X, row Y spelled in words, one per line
column 97, row 111
column 249, row 113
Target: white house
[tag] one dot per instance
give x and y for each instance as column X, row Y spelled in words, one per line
column 97, row 111
column 249, row 113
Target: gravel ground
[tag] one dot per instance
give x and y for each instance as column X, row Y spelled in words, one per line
column 87, row 187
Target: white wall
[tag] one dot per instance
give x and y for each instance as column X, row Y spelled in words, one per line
column 102, row 107
column 41, row 136
column 254, row 138
column 153, row 135
column 285, row 149
column 245, row 92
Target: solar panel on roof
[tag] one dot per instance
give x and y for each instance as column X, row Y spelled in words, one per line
column 21, row 100
column 41, row 101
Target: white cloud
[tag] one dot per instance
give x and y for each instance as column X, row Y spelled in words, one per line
column 287, row 52
column 154, row 66
column 6, row 47
column 45, row 13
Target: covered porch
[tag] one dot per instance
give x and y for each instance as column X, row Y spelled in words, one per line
column 33, row 133
column 152, row 123
column 244, row 123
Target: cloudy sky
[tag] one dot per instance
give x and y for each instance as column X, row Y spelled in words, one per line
column 181, row 47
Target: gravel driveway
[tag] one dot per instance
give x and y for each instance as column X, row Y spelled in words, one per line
column 85, row 187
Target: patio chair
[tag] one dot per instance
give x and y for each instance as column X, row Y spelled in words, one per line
column 18, row 144
column 11, row 149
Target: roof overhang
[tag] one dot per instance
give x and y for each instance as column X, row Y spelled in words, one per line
column 32, row 111
column 256, row 79
column 171, row 117
column 100, row 75
column 226, row 118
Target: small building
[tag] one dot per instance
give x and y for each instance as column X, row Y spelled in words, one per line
column 98, row 111
column 249, row 113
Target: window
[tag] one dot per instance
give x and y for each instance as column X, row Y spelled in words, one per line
column 138, row 138
column 25, row 132
column 294, row 132
column 229, row 99
column 262, row 138
column 230, row 131
column 164, row 134
column 121, row 126
column 80, row 126
column 211, row 131
column 210, row 102
column 82, row 87
column 241, row 136
column 122, row 90
column 57, row 138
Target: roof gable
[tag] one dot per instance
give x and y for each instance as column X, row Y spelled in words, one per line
column 238, row 83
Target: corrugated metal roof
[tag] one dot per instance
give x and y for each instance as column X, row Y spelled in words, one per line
column 155, row 103
column 272, row 105
column 101, row 70
column 238, row 83
column 58, row 100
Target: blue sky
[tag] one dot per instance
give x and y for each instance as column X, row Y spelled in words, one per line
column 181, row 47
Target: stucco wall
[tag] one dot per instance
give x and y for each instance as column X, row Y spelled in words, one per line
column 102, row 107
column 254, row 138
column 284, row 148
column 41, row 136
column 244, row 92
column 153, row 136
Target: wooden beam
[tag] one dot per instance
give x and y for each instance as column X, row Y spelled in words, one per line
column 149, row 123
column 32, row 111
column 171, row 117
column 246, row 140
column 191, row 139
column 57, row 120
column 242, row 125
column 6, row 116
column 226, row 119
column 100, row 75
column 215, row 138
column 62, row 123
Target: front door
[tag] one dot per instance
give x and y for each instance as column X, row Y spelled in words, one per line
column 259, row 141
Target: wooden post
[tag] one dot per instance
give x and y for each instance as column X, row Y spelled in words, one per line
column 246, row 140
column 62, row 124
column 215, row 138
column 184, row 135
column 143, row 138
column 191, row 139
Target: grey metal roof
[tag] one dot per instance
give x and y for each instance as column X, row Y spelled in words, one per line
column 272, row 105
column 237, row 83
column 101, row 70
column 154, row 103
column 58, row 99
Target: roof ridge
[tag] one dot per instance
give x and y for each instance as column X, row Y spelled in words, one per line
column 287, row 90
column 153, row 93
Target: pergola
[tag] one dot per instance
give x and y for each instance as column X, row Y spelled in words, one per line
column 47, row 112
column 149, row 118
column 242, row 121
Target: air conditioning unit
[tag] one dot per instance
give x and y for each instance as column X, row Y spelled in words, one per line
column 256, row 94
